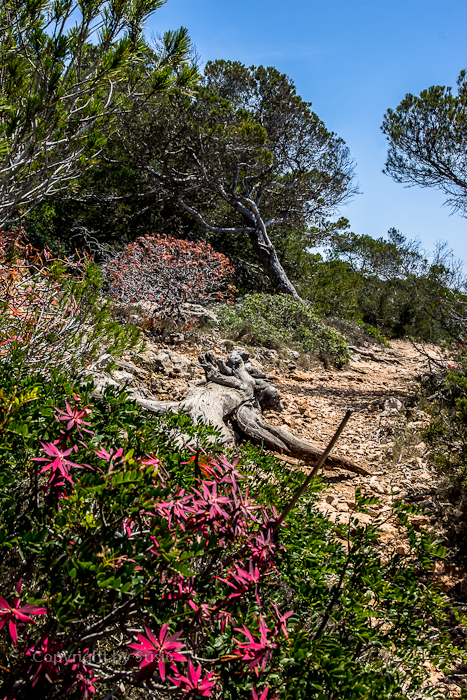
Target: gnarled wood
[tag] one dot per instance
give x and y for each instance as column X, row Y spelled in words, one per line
column 236, row 392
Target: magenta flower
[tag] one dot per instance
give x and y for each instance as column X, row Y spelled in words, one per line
column 212, row 502
column 263, row 695
column 59, row 464
column 225, row 619
column 74, row 417
column 128, row 526
column 241, row 580
column 157, row 652
column 203, row 610
column 282, row 619
column 256, row 652
column 151, row 460
column 263, row 547
column 180, row 587
column 110, row 456
column 156, row 547
column 48, row 657
column 175, row 509
column 83, row 679
column 16, row 615
column 193, row 682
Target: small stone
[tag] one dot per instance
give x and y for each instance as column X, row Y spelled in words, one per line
column 130, row 367
column 418, row 520
column 123, row 377
column 362, row 518
column 201, row 313
column 376, row 486
column 342, row 507
column 301, row 376
column 393, row 403
column 102, row 362
column 402, row 549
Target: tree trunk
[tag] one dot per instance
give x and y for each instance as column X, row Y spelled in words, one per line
column 234, row 395
column 268, row 256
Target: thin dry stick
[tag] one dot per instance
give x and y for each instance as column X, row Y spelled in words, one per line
column 311, row 476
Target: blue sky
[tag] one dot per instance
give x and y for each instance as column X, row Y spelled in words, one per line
column 352, row 59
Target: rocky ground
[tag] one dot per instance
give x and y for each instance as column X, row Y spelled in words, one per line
column 384, row 435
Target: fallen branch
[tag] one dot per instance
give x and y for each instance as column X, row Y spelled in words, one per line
column 232, row 401
column 312, row 474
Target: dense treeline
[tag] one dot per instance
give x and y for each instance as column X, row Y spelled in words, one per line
column 242, row 162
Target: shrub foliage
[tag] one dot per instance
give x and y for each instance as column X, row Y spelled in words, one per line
column 274, row 320
column 127, row 559
column 164, row 273
column 51, row 313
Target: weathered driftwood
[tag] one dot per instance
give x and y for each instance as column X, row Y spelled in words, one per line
column 232, row 400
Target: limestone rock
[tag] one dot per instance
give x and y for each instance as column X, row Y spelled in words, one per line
column 301, row 376
column 165, row 361
column 393, row 407
column 123, row 377
column 200, row 312
column 418, row 520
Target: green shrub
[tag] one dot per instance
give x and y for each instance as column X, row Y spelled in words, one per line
column 357, row 332
column 143, row 538
column 275, row 320
column 447, row 437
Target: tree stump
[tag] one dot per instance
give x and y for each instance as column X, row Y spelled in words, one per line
column 232, row 400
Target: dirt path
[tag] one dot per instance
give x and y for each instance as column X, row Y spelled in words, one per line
column 386, row 441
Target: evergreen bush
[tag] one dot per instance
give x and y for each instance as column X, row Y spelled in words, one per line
column 127, row 559
column 274, row 320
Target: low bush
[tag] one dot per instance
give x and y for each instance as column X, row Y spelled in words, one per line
column 357, row 332
column 51, row 311
column 274, row 320
column 126, row 560
column 163, row 273
column 447, row 437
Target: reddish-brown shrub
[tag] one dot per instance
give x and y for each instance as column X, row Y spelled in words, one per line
column 162, row 273
column 51, row 311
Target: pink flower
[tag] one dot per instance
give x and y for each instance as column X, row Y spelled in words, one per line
column 212, row 502
column 16, row 615
column 263, row 547
column 282, row 619
column 128, row 526
column 180, row 587
column 74, row 417
column 241, row 580
column 263, row 695
column 83, row 679
column 151, row 460
column 255, row 651
column 47, row 656
column 193, row 682
column 59, row 465
column 157, row 652
column 176, row 508
column 110, row 456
